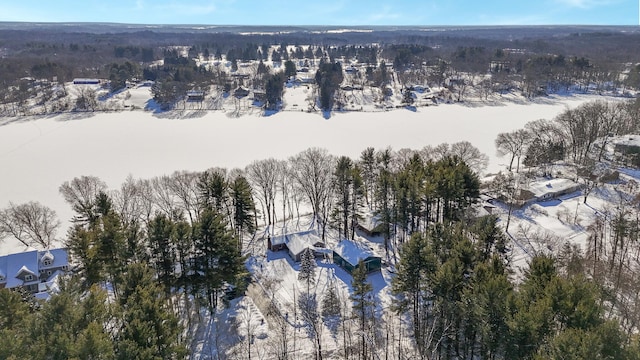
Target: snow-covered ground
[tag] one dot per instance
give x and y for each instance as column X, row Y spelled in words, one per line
column 37, row 154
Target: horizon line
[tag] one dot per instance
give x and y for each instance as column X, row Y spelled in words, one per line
column 310, row 25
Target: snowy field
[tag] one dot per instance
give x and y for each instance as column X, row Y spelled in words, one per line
column 40, row 153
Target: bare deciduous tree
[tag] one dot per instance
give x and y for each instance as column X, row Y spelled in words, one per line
column 81, row 194
column 312, row 170
column 263, row 176
column 183, row 185
column 129, row 202
column 470, row 154
column 513, row 143
column 33, row 224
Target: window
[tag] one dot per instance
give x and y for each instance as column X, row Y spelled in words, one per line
column 28, row 277
column 47, row 262
column 49, row 273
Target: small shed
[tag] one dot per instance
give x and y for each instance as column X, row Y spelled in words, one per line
column 370, row 225
column 85, row 81
column 195, row 95
column 241, row 92
column 348, row 254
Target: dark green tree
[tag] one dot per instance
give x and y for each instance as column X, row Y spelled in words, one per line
column 368, row 169
column 160, row 233
column 328, row 77
column 289, row 69
column 308, row 266
column 413, row 285
column 149, row 329
column 342, row 183
column 213, row 189
column 274, row 88
column 363, row 306
column 217, row 259
column 244, row 208
column 489, row 236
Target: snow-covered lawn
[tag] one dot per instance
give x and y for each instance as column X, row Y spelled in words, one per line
column 548, row 225
column 277, row 274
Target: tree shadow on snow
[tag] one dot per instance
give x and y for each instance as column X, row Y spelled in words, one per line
column 550, row 203
column 17, row 120
column 180, row 114
column 268, row 112
column 72, row 116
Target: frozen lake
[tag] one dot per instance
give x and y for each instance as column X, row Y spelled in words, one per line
column 39, row 154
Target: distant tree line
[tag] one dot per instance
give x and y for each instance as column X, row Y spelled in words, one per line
column 489, row 64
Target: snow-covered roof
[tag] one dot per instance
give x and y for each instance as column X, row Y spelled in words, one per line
column 279, row 240
column 52, row 285
column 298, row 242
column 353, row 251
column 25, row 270
column 542, row 188
column 369, row 221
column 29, row 262
column 59, row 258
column 26, row 262
column 195, row 93
column 47, row 256
column 627, row 140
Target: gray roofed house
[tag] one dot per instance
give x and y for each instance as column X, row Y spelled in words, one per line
column 546, row 189
column 297, row 243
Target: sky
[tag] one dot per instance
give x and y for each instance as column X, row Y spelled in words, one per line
column 327, row 12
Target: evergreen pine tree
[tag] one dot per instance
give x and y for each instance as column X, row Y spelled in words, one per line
column 330, row 303
column 362, row 304
column 368, row 166
column 149, row 330
column 308, row 265
column 342, row 182
column 160, row 231
column 412, row 283
column 331, row 308
column 218, row 260
column 244, row 207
